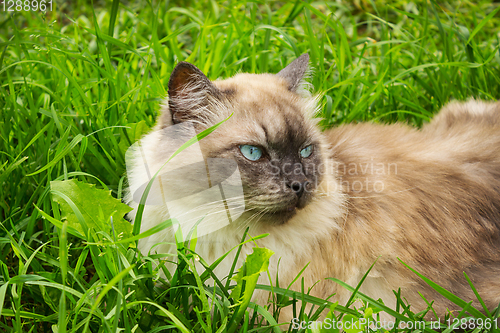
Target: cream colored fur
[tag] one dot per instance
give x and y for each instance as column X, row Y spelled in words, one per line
column 438, row 210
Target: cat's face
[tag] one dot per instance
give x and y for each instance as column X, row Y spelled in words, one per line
column 270, row 134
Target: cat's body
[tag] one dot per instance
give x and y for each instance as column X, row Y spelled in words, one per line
column 429, row 197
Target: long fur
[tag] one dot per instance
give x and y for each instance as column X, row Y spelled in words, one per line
column 428, row 197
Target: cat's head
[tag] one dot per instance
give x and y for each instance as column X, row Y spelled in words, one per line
column 271, row 134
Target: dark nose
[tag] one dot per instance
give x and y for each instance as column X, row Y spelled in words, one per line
column 298, row 187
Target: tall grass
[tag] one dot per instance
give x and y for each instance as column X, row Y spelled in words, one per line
column 79, row 84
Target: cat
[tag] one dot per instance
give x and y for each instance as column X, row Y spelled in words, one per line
column 338, row 200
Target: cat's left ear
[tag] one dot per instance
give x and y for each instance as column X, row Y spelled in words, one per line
column 294, row 72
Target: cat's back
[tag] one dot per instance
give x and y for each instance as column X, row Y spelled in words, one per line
column 463, row 135
column 454, row 159
column 430, row 196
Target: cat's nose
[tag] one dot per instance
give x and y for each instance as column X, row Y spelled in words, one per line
column 298, row 187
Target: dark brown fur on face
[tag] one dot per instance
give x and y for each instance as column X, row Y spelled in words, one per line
column 429, row 197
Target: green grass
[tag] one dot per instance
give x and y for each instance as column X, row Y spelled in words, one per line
column 73, row 80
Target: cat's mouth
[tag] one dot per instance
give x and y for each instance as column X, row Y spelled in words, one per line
column 277, row 210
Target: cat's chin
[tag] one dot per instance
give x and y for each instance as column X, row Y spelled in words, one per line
column 280, row 217
column 273, row 218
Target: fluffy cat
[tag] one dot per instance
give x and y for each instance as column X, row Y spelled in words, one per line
column 337, row 200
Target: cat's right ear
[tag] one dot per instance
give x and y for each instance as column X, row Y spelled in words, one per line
column 189, row 94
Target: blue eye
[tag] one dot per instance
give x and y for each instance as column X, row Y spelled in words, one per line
column 251, row 152
column 307, row 151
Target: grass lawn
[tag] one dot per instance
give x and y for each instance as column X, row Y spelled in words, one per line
column 80, row 83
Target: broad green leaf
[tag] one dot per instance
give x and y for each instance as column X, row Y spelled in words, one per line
column 79, row 200
column 255, row 263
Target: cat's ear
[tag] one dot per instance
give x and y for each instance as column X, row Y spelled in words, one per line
column 294, row 72
column 189, row 93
